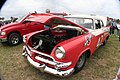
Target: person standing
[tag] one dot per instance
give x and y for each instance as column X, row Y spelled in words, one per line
column 1, row 21
column 118, row 28
column 113, row 26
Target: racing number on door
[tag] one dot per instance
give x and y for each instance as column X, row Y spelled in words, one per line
column 100, row 40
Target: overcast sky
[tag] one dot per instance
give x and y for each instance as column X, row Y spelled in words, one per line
column 19, row 8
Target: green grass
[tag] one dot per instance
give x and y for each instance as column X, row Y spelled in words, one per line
column 102, row 65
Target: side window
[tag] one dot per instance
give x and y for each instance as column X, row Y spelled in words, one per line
column 98, row 24
column 85, row 22
column 102, row 24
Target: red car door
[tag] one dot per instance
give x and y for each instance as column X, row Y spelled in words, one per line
column 24, row 27
column 35, row 26
column 99, row 32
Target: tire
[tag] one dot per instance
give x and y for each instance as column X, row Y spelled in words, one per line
column 80, row 63
column 14, row 39
column 103, row 44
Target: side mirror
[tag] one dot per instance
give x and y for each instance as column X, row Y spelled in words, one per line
column 25, row 22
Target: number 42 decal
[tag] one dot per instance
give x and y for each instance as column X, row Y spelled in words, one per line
column 88, row 40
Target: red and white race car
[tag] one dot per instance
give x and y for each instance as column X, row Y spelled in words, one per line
column 62, row 48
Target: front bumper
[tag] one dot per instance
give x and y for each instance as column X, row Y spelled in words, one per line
column 45, row 68
column 3, row 39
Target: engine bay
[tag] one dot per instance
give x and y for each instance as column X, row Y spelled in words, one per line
column 46, row 40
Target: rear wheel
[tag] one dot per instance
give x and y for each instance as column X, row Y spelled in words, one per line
column 14, row 39
column 80, row 63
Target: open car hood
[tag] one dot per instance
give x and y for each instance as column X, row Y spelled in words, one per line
column 49, row 19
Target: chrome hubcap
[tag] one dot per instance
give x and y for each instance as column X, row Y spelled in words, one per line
column 15, row 40
column 81, row 61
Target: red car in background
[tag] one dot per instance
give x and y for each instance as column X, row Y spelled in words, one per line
column 62, row 48
column 13, row 32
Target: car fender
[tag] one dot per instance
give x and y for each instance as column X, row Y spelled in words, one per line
column 74, row 51
column 15, row 31
column 83, row 52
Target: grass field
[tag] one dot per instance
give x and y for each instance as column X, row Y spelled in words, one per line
column 102, row 65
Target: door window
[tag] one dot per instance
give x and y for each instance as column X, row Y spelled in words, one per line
column 98, row 24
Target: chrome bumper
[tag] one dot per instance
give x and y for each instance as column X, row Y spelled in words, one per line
column 44, row 68
column 3, row 39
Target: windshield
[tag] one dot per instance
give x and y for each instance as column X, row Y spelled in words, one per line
column 85, row 22
column 21, row 18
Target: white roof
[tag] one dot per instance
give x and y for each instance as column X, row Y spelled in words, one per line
column 82, row 16
column 103, row 18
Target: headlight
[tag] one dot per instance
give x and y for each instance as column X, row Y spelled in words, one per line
column 60, row 52
column 3, row 33
column 24, row 38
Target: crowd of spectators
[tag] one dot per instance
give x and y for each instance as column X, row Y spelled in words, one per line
column 114, row 24
column 3, row 21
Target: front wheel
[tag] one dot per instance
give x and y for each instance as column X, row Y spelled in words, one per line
column 103, row 44
column 80, row 63
column 14, row 39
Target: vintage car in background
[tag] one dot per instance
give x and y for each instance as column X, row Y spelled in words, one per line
column 13, row 32
column 63, row 47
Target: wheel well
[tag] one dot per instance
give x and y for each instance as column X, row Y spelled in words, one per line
column 14, row 32
column 87, row 53
column 107, row 37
